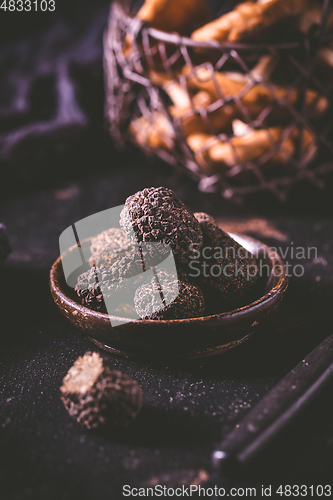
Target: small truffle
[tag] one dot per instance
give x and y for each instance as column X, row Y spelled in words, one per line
column 109, row 246
column 4, row 243
column 165, row 297
column 96, row 395
column 227, row 270
column 203, row 217
column 156, row 214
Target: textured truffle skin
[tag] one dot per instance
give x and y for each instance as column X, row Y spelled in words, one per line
column 203, row 217
column 156, row 214
column 226, row 284
column 108, row 246
column 88, row 288
column 98, row 286
column 181, row 299
column 96, row 395
column 142, row 258
column 129, row 265
column 4, row 243
column 154, row 221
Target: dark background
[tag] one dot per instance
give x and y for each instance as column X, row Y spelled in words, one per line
column 58, row 165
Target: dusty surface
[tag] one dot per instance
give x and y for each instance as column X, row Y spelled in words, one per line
column 188, row 407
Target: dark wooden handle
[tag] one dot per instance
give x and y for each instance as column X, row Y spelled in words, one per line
column 276, row 410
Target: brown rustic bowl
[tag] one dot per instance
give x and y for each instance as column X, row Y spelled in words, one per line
column 194, row 337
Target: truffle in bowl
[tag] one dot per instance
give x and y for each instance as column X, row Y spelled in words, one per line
column 190, row 337
column 167, row 282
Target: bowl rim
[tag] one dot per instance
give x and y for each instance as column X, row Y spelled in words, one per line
column 274, row 258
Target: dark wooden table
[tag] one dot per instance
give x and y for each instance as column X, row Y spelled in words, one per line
column 70, row 170
column 188, row 407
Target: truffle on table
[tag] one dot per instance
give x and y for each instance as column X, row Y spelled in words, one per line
column 156, row 214
column 165, row 297
column 96, row 395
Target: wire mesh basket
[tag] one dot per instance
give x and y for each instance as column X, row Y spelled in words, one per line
column 238, row 117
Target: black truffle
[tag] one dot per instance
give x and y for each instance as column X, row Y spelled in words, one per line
column 223, row 268
column 129, row 265
column 88, row 288
column 95, row 395
column 109, row 246
column 165, row 297
column 4, row 243
column 156, row 214
column 104, row 289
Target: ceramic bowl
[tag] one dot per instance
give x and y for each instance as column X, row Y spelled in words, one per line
column 194, row 337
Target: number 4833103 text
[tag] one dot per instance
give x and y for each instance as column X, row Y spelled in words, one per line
column 27, row 5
